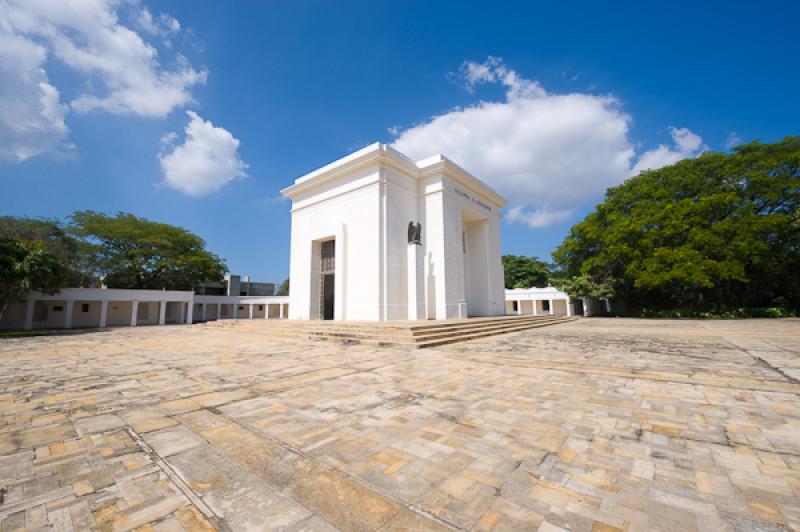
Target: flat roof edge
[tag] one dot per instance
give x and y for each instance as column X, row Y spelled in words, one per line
column 379, row 150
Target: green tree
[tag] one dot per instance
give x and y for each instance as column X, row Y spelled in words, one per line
column 74, row 254
column 133, row 252
column 715, row 232
column 525, row 272
column 25, row 267
column 283, row 289
column 584, row 286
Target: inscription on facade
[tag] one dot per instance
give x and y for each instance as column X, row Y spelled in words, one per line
column 472, row 199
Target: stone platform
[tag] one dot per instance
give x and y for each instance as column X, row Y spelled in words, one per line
column 411, row 334
column 595, row 424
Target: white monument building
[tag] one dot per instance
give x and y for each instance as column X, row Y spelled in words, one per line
column 376, row 236
column 354, row 255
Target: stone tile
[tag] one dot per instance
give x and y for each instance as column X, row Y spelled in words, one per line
column 597, row 424
column 323, row 492
column 248, row 503
column 408, row 521
column 204, row 468
column 167, row 442
column 202, row 420
column 102, row 423
column 147, row 420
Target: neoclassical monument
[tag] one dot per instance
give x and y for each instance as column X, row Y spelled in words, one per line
column 378, row 236
column 375, row 236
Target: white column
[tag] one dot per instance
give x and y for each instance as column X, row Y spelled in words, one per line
column 519, row 307
column 29, row 305
column 281, row 305
column 416, row 282
column 103, row 314
column 203, row 311
column 162, row 312
column 189, row 312
column 266, row 311
column 250, row 311
column 552, row 310
column 569, row 308
column 535, row 307
column 219, row 311
column 134, row 312
column 235, row 308
column 68, row 314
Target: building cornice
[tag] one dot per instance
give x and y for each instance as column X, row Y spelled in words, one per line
column 384, row 155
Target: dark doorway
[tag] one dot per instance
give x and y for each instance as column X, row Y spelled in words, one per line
column 327, row 279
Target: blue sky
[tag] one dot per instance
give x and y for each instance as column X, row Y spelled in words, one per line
column 548, row 102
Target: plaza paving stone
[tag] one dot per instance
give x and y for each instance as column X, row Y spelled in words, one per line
column 597, row 424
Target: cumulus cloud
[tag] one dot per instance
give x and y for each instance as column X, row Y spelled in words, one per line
column 121, row 72
column 31, row 112
column 687, row 145
column 548, row 153
column 87, row 36
column 207, row 159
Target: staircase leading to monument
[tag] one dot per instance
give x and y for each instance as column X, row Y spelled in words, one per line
column 414, row 334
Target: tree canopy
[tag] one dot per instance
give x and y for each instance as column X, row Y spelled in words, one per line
column 283, row 289
column 525, row 272
column 123, row 250
column 715, row 232
column 132, row 252
column 71, row 252
column 27, row 266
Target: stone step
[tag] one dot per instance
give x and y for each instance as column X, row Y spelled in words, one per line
column 403, row 334
column 424, row 330
column 336, row 328
column 431, row 334
column 483, row 334
column 422, row 342
column 479, row 321
column 412, row 328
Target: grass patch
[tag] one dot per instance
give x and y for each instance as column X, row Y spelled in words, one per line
column 767, row 312
column 21, row 334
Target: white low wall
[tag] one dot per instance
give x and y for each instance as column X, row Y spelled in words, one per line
column 264, row 307
column 96, row 307
column 531, row 301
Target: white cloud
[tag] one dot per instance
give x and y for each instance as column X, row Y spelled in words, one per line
column 548, row 153
column 493, row 70
column 88, row 37
column 120, row 71
column 733, row 140
column 687, row 145
column 162, row 25
column 31, row 112
column 207, row 159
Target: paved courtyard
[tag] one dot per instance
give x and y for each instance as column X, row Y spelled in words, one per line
column 597, row 424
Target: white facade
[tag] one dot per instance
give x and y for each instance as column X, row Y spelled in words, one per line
column 210, row 308
column 101, row 307
column 538, row 302
column 350, row 256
